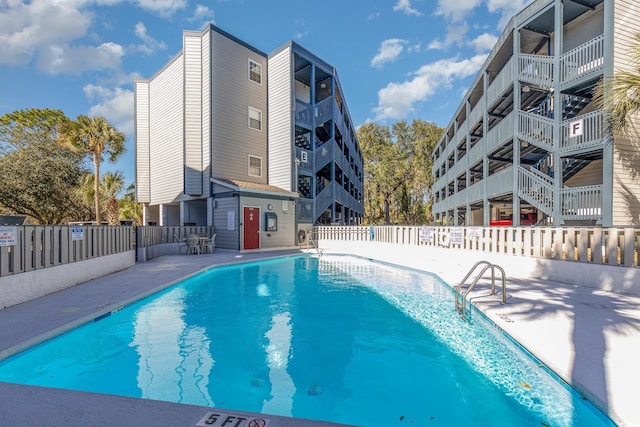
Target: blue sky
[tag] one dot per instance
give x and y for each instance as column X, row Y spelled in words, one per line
column 397, row 59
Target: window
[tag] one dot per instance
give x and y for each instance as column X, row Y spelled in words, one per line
column 255, row 119
column 255, row 72
column 255, row 166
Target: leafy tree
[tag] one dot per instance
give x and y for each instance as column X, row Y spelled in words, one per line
column 110, row 186
column 38, row 176
column 129, row 208
column 397, row 171
column 93, row 136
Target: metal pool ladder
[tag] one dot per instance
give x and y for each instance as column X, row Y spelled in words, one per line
column 461, row 297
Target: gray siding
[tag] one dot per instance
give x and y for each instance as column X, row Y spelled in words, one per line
column 206, row 111
column 285, row 235
column 280, row 120
column 192, row 114
column 226, row 239
column 626, row 168
column 143, row 185
column 166, row 133
column 232, row 94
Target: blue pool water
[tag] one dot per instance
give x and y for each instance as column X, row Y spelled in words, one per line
column 333, row 338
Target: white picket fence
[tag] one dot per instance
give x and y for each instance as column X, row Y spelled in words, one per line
column 595, row 245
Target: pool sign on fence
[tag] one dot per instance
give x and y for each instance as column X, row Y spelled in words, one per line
column 223, row 419
column 77, row 233
column 8, row 235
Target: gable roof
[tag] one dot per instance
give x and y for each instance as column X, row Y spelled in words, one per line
column 245, row 186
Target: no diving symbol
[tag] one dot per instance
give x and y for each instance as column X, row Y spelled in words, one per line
column 257, row 422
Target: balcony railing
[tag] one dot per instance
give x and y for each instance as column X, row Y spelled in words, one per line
column 582, row 203
column 536, row 189
column 582, row 62
column 475, row 115
column 303, row 114
column 500, row 182
column 324, row 199
column 323, row 110
column 591, row 136
column 502, row 81
column 536, row 130
column 536, row 69
column 501, row 133
column 304, row 166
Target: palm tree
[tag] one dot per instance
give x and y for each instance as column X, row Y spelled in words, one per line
column 93, row 136
column 620, row 94
column 129, row 208
column 111, row 185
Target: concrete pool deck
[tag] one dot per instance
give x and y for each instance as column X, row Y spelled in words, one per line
column 589, row 337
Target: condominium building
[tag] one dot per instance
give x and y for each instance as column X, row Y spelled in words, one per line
column 260, row 146
column 528, row 143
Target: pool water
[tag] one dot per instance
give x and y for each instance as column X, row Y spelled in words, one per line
column 334, row 338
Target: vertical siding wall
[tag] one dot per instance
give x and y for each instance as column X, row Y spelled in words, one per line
column 166, row 132
column 142, row 140
column 226, row 238
column 280, row 120
column 206, row 112
column 44, row 246
column 192, row 52
column 232, row 94
column 626, row 165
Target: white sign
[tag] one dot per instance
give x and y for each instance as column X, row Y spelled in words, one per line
column 426, row 234
column 223, row 419
column 575, row 128
column 303, row 156
column 77, row 233
column 8, row 235
column 231, row 220
column 456, row 236
column 473, row 232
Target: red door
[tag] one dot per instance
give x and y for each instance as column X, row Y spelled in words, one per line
column 251, row 228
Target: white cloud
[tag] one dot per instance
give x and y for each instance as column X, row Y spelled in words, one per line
column 415, row 48
column 484, row 42
column 149, row 45
column 457, row 10
column 301, row 35
column 506, row 8
column 116, row 105
column 28, row 28
column 388, row 52
column 373, row 16
column 396, row 100
column 202, row 14
column 162, row 7
column 76, row 60
column 436, row 45
column 456, row 33
column 405, row 6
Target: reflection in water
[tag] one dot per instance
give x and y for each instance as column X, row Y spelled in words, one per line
column 170, row 351
column 282, row 386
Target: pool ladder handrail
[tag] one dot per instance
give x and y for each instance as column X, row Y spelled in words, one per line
column 314, row 244
column 461, row 306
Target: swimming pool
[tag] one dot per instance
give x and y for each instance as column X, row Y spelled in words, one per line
column 336, row 338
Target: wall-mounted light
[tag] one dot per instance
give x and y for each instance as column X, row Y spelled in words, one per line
column 526, row 89
column 323, row 85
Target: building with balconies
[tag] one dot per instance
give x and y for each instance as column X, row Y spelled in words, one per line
column 260, row 146
column 529, row 140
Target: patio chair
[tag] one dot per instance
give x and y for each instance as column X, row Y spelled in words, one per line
column 208, row 244
column 193, row 244
column 182, row 242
